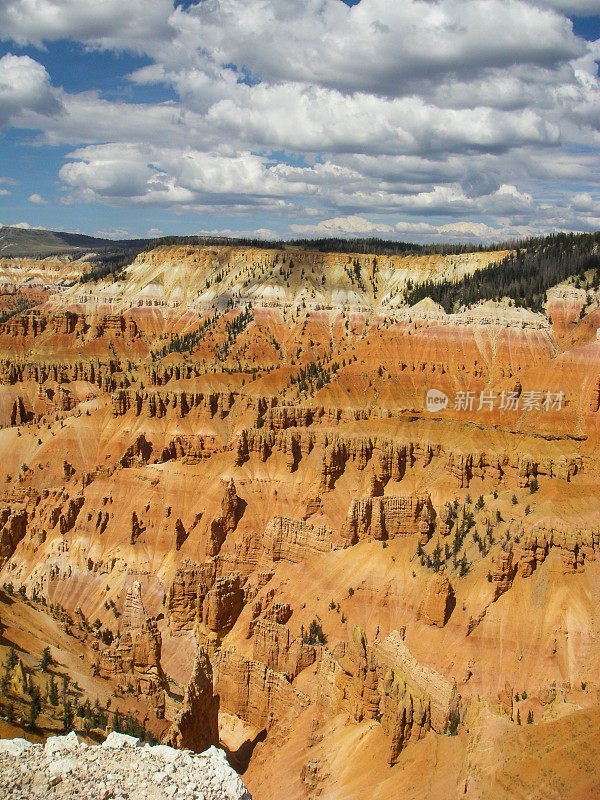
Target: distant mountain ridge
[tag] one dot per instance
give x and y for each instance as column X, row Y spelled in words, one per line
column 41, row 243
column 38, row 242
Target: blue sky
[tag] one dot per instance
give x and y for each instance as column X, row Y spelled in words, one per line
column 411, row 119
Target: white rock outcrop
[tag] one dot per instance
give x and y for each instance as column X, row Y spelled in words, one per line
column 121, row 768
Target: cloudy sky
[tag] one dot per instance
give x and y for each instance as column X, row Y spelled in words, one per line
column 411, row 119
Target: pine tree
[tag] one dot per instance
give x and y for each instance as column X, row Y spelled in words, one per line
column 67, row 715
column 12, row 659
column 46, row 659
column 117, row 724
column 52, row 691
column 34, row 707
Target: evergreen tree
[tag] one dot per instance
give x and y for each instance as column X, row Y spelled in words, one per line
column 67, row 715
column 34, row 707
column 12, row 658
column 46, row 659
column 52, row 691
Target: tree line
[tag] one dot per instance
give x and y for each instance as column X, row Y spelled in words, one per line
column 524, row 275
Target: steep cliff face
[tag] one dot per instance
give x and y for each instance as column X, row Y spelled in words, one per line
column 274, row 645
column 13, row 526
column 440, row 600
column 385, row 682
column 133, row 658
column 254, row 692
column 231, row 510
column 196, row 725
column 186, row 595
column 386, row 517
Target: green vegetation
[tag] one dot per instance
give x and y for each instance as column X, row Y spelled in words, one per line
column 19, row 307
column 45, row 660
column 524, row 276
column 314, row 635
column 187, row 342
column 314, row 376
column 110, row 264
column 233, row 330
column 452, row 723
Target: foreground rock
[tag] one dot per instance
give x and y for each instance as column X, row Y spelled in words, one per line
column 119, row 768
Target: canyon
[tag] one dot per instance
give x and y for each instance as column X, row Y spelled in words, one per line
column 229, row 511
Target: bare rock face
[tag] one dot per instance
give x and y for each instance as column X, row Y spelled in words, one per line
column 332, row 466
column 133, row 657
column 226, row 522
column 252, row 691
column 134, row 614
column 13, row 527
column 123, row 415
column 503, row 573
column 223, row 603
column 136, row 528
column 385, row 681
column 18, row 414
column 190, row 449
column 138, row 453
column 505, row 700
column 595, row 397
column 274, row 645
column 385, row 517
column 440, row 601
column 196, row 726
column 358, row 680
column 444, row 521
column 433, row 698
column 71, row 511
column 293, row 539
column 405, row 714
column 187, row 592
column 576, row 547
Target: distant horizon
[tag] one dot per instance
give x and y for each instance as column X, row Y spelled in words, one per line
column 242, row 240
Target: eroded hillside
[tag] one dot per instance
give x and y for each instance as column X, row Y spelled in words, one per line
column 232, row 507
